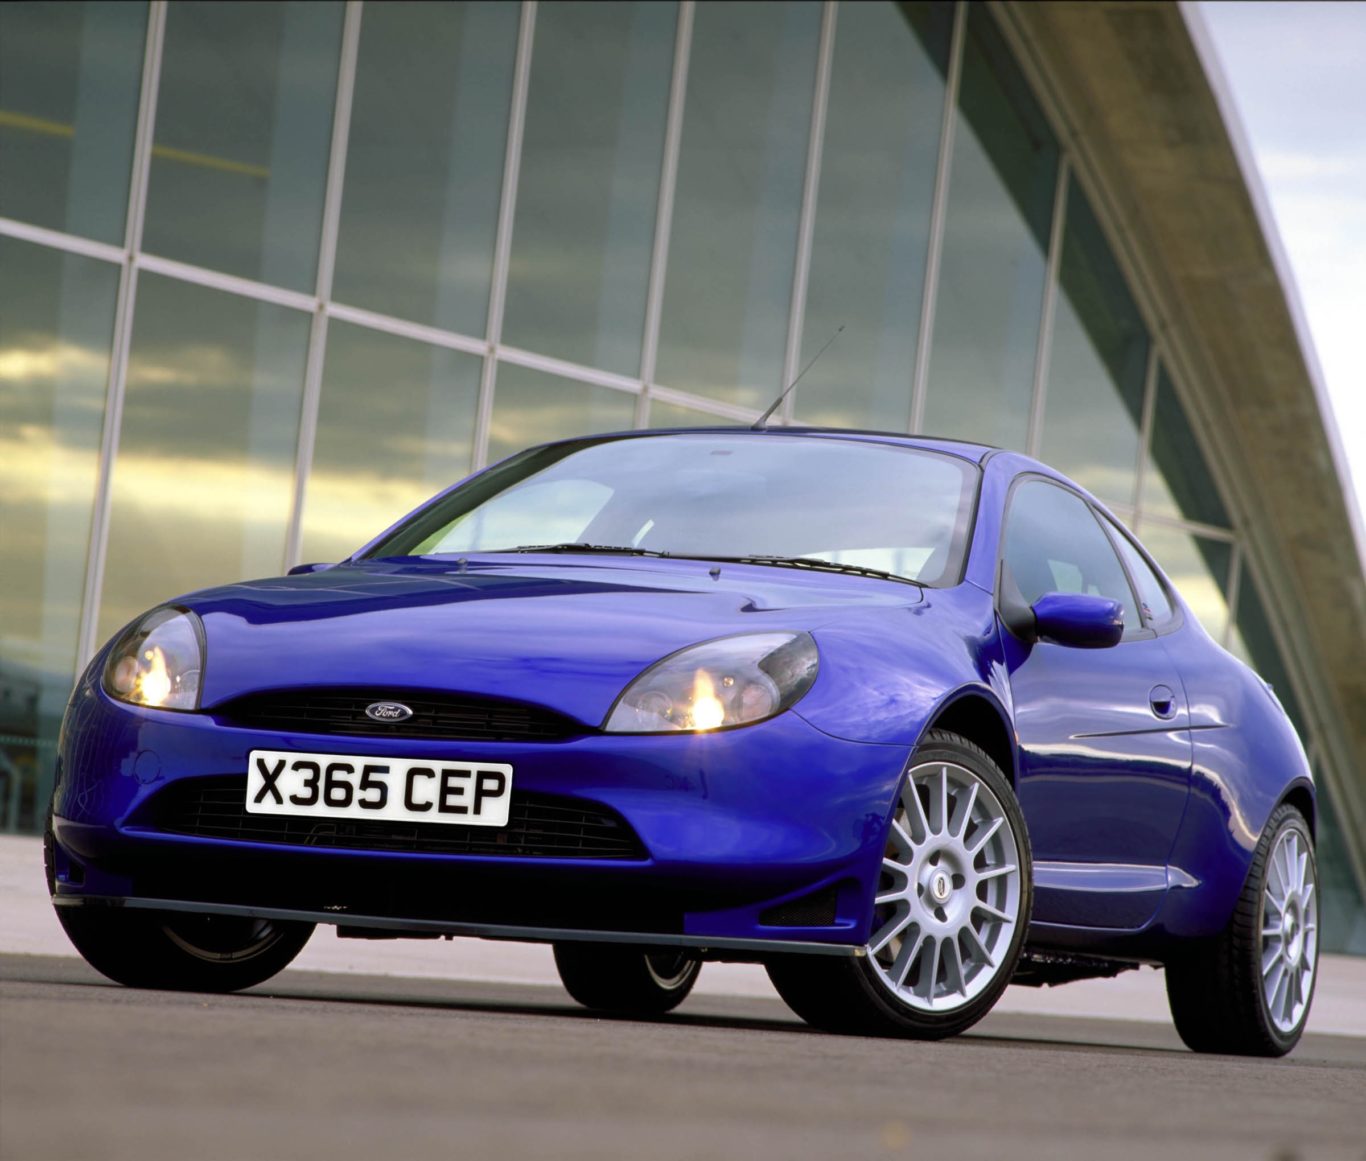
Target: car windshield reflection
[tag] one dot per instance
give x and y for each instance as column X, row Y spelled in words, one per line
column 856, row 506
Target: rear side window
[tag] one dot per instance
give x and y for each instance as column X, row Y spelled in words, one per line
column 1054, row 544
column 1152, row 594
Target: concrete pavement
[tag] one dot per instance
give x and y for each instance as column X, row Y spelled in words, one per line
column 347, row 1066
column 29, row 927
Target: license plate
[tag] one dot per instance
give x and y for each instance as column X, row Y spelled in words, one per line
column 347, row 786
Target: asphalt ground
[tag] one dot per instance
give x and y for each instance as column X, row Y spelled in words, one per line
column 321, row 1065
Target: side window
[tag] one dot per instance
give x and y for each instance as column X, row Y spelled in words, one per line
column 1054, row 544
column 1152, row 595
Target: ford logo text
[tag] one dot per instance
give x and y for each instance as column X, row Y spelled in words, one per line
column 388, row 711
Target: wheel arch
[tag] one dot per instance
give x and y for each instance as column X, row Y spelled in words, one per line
column 1300, row 795
column 979, row 719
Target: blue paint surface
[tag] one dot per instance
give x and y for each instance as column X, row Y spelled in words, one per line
column 1146, row 771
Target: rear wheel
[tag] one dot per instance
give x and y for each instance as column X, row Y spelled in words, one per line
column 626, row 980
column 950, row 911
column 1248, row 991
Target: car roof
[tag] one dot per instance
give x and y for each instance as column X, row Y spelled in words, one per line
column 974, row 452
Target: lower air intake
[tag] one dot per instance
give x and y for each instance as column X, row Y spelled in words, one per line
column 540, row 826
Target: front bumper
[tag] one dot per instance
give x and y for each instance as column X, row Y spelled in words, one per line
column 766, row 837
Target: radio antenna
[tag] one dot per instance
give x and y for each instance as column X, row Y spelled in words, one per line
column 760, row 423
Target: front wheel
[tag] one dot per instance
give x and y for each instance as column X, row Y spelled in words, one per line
column 949, row 914
column 1248, row 991
column 182, row 951
column 174, row 950
column 625, row 980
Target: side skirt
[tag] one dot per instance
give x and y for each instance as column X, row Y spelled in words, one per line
column 435, row 927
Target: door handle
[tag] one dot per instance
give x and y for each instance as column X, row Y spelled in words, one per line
column 1163, row 702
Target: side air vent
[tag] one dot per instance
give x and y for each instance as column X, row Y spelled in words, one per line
column 817, row 909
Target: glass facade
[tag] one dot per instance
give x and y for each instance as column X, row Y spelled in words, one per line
column 202, row 483
column 872, row 226
column 243, row 126
column 1002, row 182
column 1097, row 364
column 69, row 77
column 432, row 96
column 737, row 208
column 224, row 349
column 56, row 328
column 588, row 190
column 395, row 426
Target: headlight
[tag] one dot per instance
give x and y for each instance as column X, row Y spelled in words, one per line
column 158, row 662
column 728, row 682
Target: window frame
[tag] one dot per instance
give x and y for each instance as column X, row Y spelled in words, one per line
column 1145, row 630
column 1178, row 612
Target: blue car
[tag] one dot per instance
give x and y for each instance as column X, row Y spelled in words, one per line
column 902, row 719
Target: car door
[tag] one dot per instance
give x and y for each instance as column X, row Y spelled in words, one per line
column 1104, row 736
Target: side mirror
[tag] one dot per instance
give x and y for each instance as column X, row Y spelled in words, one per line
column 302, row 569
column 1078, row 619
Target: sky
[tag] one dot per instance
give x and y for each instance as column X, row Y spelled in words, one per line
column 1298, row 75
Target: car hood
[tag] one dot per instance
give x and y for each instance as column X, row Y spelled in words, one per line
column 568, row 635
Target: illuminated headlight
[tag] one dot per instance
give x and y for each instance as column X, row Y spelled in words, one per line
column 158, row 661
column 728, row 682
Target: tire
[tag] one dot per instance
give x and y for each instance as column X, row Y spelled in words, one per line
column 1221, row 998
column 628, row 981
column 177, row 951
column 951, row 908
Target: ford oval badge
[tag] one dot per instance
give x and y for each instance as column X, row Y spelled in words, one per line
column 388, row 711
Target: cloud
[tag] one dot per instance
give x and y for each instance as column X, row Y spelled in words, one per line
column 52, row 362
column 1282, row 166
column 1296, row 74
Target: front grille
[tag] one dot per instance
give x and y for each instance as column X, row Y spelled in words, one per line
column 342, row 712
column 540, row 826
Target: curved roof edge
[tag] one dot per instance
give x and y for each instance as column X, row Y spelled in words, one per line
column 1280, row 259
column 1139, row 101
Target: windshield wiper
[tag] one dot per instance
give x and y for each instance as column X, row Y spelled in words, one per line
column 818, row 565
column 579, row 546
column 804, row 562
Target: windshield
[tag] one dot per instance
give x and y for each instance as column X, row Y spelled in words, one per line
column 792, row 499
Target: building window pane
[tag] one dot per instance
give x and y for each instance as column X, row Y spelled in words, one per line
column 531, row 407
column 1344, row 912
column 424, row 165
column 205, row 472
column 995, row 245
column 589, row 182
column 69, row 79
column 671, row 415
column 734, row 239
column 243, row 130
column 1344, row 918
column 1097, row 366
column 882, row 133
column 395, row 422
column 1252, row 641
column 1177, row 482
column 56, row 326
column 1198, row 567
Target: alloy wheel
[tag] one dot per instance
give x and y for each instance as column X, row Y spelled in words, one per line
column 948, row 901
column 1289, row 932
